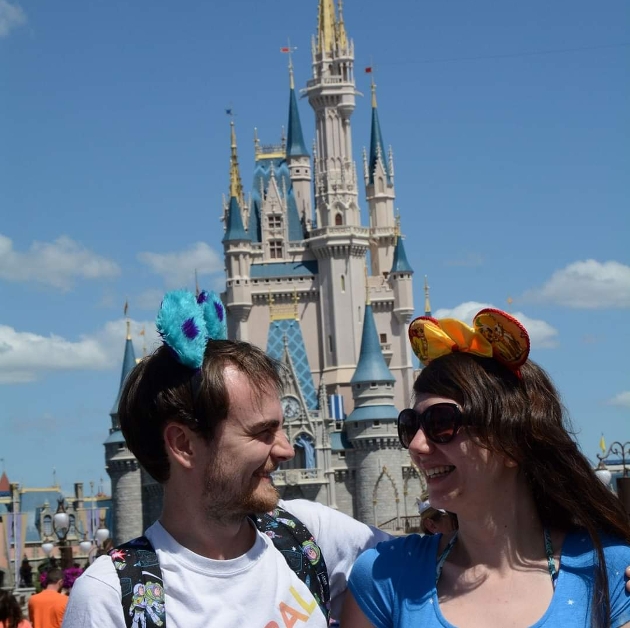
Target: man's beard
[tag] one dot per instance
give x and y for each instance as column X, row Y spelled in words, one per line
column 226, row 501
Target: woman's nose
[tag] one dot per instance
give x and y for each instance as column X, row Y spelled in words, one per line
column 420, row 444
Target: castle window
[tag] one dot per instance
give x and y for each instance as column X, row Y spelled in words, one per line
column 383, row 338
column 338, row 220
column 275, row 249
column 376, row 424
column 330, row 344
column 48, row 529
column 342, row 454
column 381, row 187
column 275, row 222
column 343, row 283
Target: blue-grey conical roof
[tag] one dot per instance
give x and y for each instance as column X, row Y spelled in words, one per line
column 400, row 263
column 377, row 148
column 295, row 139
column 129, row 361
column 234, row 229
column 372, row 366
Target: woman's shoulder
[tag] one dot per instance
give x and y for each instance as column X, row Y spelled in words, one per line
column 579, row 546
column 412, row 547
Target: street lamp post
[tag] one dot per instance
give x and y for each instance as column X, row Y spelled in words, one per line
column 622, row 451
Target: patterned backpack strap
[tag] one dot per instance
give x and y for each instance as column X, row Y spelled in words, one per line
column 141, row 583
column 294, row 541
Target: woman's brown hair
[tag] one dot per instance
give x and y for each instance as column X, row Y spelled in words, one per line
column 10, row 610
column 521, row 417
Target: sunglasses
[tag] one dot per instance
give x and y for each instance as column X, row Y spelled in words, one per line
column 439, row 422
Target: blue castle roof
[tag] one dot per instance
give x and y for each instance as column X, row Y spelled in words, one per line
column 262, row 176
column 377, row 148
column 371, row 366
column 295, row 139
column 291, row 330
column 234, row 229
column 129, row 361
column 400, row 263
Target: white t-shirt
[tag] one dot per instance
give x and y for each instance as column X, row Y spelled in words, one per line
column 255, row 590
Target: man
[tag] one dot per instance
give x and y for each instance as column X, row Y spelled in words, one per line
column 46, row 609
column 434, row 520
column 212, row 439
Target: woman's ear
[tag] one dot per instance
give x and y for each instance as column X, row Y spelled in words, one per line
column 178, row 444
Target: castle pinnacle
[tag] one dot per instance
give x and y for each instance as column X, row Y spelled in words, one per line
column 427, row 303
column 234, row 229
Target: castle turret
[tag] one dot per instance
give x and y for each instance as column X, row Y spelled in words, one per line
column 298, row 159
column 339, row 242
column 237, row 250
column 372, row 430
column 380, row 194
column 122, row 466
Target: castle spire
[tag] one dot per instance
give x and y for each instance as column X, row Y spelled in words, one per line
column 326, row 26
column 377, row 146
column 295, row 139
column 236, row 187
column 371, row 366
column 234, row 229
column 129, row 361
column 342, row 38
column 427, row 303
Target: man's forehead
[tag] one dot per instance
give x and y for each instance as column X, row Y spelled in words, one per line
column 243, row 392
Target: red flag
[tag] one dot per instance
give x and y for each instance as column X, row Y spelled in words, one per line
column 368, row 70
column 285, row 49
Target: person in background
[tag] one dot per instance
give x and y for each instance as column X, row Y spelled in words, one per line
column 46, row 609
column 11, row 615
column 435, row 520
column 541, row 541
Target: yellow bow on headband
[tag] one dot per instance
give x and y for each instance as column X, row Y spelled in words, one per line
column 494, row 334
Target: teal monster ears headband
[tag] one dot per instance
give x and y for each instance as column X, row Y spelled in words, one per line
column 186, row 324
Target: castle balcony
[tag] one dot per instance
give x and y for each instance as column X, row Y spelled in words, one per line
column 293, row 477
column 342, row 230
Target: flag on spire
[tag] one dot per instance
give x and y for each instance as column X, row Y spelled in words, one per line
column 602, row 444
column 126, row 308
column 368, row 70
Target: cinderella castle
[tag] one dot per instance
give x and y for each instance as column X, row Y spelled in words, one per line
column 328, row 295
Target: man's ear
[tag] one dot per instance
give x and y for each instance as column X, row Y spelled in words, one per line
column 178, row 441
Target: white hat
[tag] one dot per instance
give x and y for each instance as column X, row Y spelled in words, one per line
column 424, row 505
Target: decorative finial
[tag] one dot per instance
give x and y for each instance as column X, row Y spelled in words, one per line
column 373, row 89
column 427, row 302
column 142, row 333
column 256, row 142
column 236, row 188
column 125, row 310
column 397, row 228
column 283, row 139
column 289, row 49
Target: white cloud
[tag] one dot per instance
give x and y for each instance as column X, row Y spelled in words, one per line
column 178, row 268
column 587, row 284
column 25, row 357
column 541, row 334
column 11, row 16
column 55, row 264
column 622, row 399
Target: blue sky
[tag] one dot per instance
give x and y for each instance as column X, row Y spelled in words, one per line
column 510, row 128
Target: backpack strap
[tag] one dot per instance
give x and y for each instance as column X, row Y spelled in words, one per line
column 141, row 583
column 294, row 541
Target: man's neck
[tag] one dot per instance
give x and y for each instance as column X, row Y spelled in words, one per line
column 219, row 540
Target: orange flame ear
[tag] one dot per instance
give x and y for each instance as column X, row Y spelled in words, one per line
column 509, row 339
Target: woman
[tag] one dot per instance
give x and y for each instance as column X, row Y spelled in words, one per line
column 541, row 541
column 10, row 612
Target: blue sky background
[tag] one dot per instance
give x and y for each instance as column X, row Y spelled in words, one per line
column 510, row 125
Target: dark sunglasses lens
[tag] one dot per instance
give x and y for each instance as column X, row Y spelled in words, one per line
column 408, row 425
column 441, row 422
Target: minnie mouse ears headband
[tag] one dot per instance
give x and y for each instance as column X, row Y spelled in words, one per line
column 494, row 334
column 187, row 323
